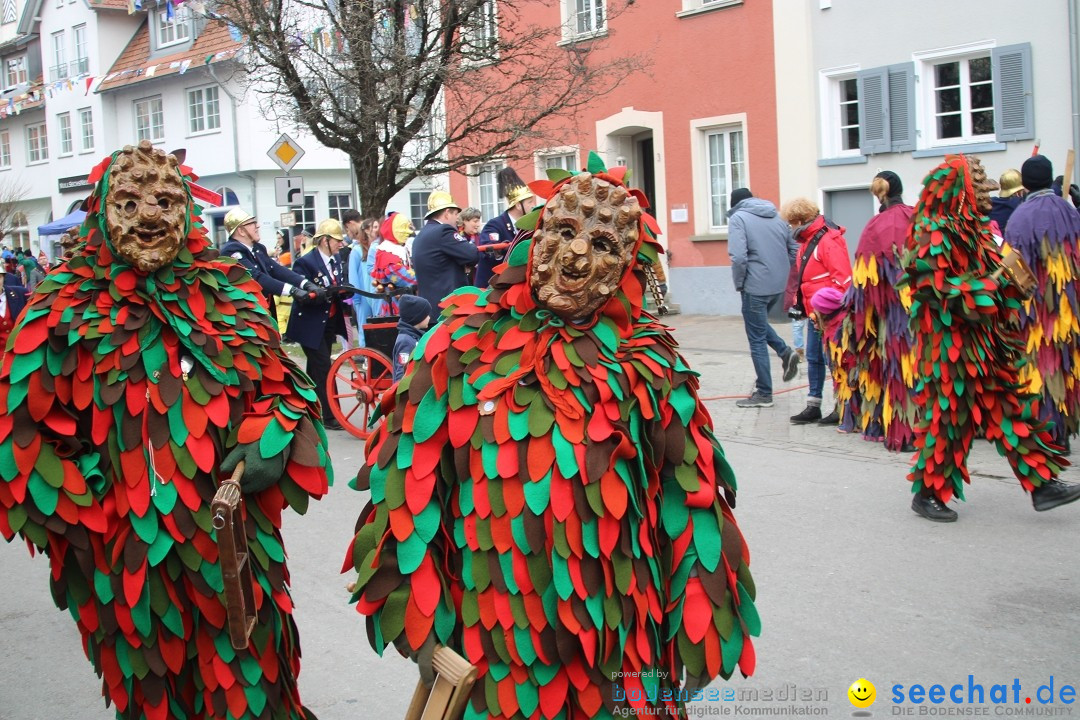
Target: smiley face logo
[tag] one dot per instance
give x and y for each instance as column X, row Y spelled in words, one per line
column 862, row 693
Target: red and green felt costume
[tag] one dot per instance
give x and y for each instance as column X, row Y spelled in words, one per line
column 968, row 344
column 108, row 463
column 548, row 499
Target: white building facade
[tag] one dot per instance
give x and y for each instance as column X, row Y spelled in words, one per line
column 98, row 78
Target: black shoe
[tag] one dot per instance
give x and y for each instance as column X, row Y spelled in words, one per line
column 932, row 509
column 832, row 418
column 332, row 425
column 1053, row 493
column 810, row 413
column 791, row 365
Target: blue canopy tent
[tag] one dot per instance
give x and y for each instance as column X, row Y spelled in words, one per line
column 49, row 235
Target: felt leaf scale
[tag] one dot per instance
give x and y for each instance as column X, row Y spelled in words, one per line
column 548, row 499
column 122, row 391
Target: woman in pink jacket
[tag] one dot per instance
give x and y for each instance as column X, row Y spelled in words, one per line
column 822, row 262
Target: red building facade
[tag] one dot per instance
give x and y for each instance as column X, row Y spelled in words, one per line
column 699, row 123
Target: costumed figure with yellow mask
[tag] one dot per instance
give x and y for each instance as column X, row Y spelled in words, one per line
column 393, row 266
column 969, row 347
column 547, row 496
column 142, row 371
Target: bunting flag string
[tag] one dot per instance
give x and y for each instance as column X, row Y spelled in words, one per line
column 37, row 93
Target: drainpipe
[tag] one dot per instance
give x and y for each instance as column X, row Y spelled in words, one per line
column 1074, row 66
column 236, row 141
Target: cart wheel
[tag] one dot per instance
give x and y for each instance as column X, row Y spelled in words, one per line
column 358, row 379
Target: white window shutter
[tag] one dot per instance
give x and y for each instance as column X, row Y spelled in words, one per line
column 1014, row 115
column 873, row 88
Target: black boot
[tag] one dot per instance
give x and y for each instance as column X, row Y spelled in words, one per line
column 832, row 418
column 810, row 413
column 1053, row 493
column 932, row 509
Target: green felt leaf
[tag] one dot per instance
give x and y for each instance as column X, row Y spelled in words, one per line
column 564, row 454
column 427, row 521
column 256, row 699
column 430, row 415
column 748, row 612
column 274, row 439
column 146, row 527
column 410, row 553
column 45, row 496
column 164, row 496
column 392, row 615
column 707, row 539
column 159, row 549
column 538, row 494
column 596, row 163
column 675, row 514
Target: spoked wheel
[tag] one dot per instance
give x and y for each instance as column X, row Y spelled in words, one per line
column 358, row 379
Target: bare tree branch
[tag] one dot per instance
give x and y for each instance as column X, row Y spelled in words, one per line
column 12, row 191
column 372, row 78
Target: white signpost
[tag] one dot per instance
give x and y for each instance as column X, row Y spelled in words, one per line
column 285, row 152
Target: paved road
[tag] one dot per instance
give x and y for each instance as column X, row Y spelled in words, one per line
column 851, row 583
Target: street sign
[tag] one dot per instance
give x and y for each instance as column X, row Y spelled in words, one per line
column 286, row 153
column 287, row 220
column 289, row 191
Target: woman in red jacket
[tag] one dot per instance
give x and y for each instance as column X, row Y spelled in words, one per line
column 822, row 262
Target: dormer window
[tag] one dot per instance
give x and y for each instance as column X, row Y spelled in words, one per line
column 175, row 30
column 14, row 71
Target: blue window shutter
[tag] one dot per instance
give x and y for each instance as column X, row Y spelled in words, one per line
column 1014, row 114
column 902, row 107
column 873, row 88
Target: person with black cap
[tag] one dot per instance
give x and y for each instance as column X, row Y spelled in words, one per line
column 762, row 251
column 414, row 319
column 502, row 229
column 1045, row 230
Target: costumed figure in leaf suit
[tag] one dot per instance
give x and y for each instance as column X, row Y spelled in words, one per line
column 877, row 326
column 547, row 496
column 1045, row 230
column 393, row 268
column 965, row 321
column 143, row 369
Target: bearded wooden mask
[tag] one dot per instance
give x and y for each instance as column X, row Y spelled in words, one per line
column 146, row 207
column 583, row 248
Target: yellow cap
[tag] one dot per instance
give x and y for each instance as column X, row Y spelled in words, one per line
column 1011, row 182
column 235, row 218
column 440, row 200
column 330, row 227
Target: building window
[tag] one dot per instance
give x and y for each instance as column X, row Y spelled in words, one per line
column 174, row 31
column 725, row 163
column 307, row 214
column 86, row 126
column 204, row 111
column 15, row 71
column 19, row 234
column 59, row 70
column 5, row 149
column 488, row 190
column 848, row 121
column 37, row 143
column 64, row 121
column 149, row 119
column 963, row 99
column 81, row 63
column 228, row 196
column 338, row 203
column 418, row 206
column 583, row 18
column 480, row 35
column 562, row 161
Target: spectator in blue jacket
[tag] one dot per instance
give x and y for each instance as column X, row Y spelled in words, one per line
column 361, row 262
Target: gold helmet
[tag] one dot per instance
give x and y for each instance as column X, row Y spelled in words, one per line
column 331, row 228
column 235, row 218
column 440, row 200
column 1011, row 183
column 512, row 187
